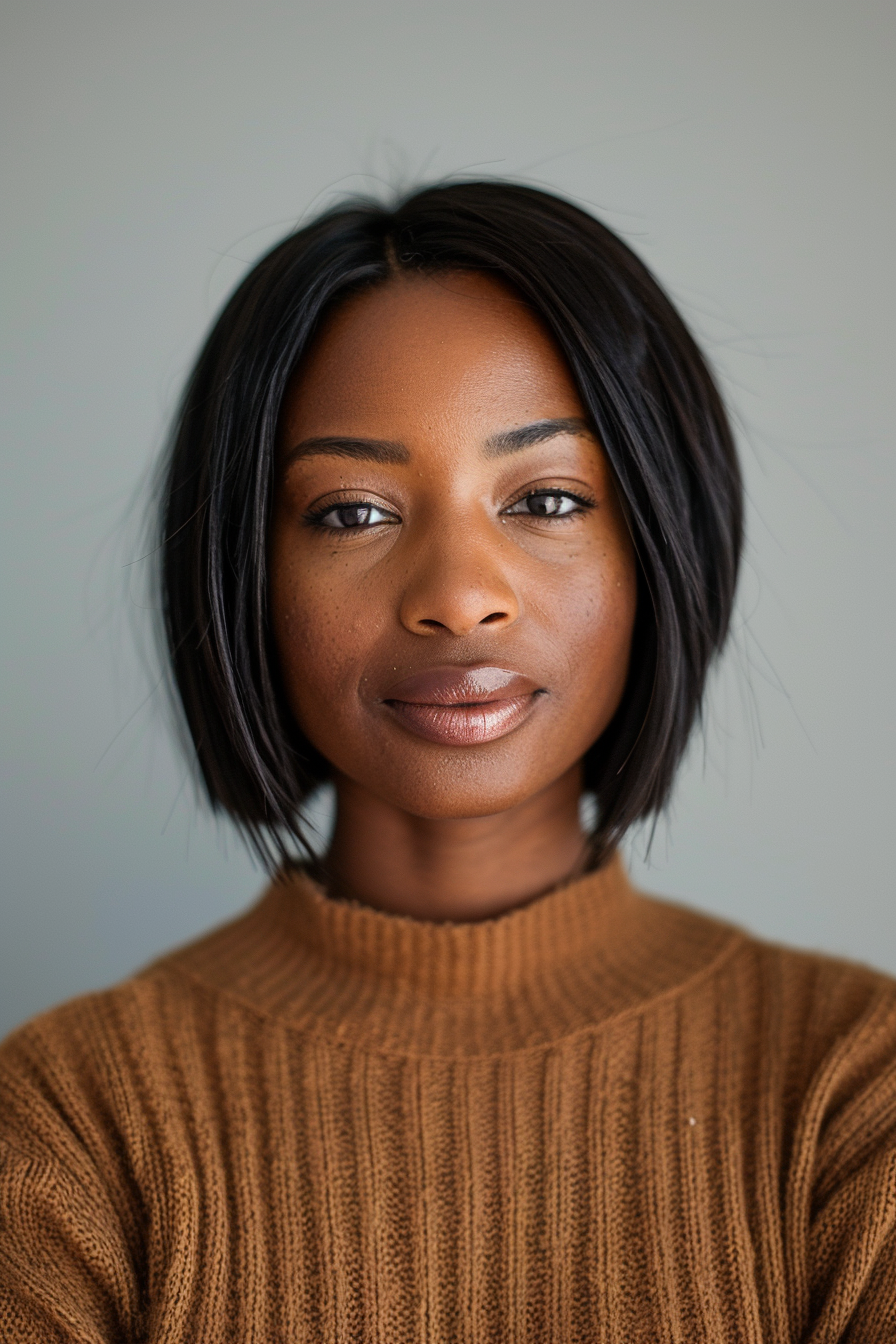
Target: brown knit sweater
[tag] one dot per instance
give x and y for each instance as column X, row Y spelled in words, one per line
column 600, row 1118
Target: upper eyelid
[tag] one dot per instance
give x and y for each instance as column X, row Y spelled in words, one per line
column 352, row 499
column 359, row 497
column 582, row 493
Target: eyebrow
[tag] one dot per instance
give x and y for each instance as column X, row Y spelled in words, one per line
column 514, row 440
column 364, row 450
column 391, row 453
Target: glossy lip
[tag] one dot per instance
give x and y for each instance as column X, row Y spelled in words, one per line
column 463, row 706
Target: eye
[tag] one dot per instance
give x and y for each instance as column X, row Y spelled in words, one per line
column 549, row 504
column 356, row 515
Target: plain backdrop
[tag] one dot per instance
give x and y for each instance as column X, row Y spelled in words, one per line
column 152, row 151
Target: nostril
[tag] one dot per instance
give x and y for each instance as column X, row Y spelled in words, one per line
column 495, row 616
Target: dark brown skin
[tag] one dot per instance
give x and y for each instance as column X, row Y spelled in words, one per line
column 447, row 544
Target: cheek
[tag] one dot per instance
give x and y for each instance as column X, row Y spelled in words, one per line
column 322, row 635
column 593, row 622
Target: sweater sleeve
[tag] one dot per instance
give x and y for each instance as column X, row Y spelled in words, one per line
column 854, row 1258
column 852, row 1213
column 68, row 1269
column 65, row 1276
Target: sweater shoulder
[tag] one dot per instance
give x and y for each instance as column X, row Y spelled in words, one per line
column 828, row 1022
column 836, row 987
column 833, row 990
column 86, row 1024
column 800, row 1005
column 131, row 1006
column 71, row 1076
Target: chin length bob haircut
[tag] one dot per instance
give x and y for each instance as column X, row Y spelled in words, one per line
column 653, row 403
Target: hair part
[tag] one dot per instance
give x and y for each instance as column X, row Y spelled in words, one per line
column 654, row 406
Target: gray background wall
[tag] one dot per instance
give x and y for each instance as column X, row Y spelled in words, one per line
column 152, row 150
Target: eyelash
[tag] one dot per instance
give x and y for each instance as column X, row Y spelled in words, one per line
column 315, row 517
column 582, row 503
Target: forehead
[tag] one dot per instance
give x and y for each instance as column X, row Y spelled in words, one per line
column 456, row 346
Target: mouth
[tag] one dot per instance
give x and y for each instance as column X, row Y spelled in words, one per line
column 463, row 706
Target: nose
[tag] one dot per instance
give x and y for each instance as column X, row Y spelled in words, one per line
column 456, row 584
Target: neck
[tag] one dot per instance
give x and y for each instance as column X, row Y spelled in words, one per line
column 456, row 869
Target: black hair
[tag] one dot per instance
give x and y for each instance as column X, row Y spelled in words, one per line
column 645, row 385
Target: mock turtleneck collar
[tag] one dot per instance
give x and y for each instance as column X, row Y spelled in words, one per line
column 575, row 957
column 447, row 960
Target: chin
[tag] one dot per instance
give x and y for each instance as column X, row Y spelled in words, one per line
column 450, row 799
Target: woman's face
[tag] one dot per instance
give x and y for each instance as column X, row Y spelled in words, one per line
column 453, row 586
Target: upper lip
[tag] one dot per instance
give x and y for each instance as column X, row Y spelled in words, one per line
column 462, row 686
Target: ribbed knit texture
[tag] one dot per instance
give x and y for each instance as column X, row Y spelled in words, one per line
column 598, row 1118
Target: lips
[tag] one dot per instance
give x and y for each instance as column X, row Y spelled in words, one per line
column 463, row 706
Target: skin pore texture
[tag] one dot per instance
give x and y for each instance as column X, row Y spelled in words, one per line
column 453, row 592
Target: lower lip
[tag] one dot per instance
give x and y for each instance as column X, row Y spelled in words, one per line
column 464, row 725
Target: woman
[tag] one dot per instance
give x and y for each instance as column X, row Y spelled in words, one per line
column 452, row 519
